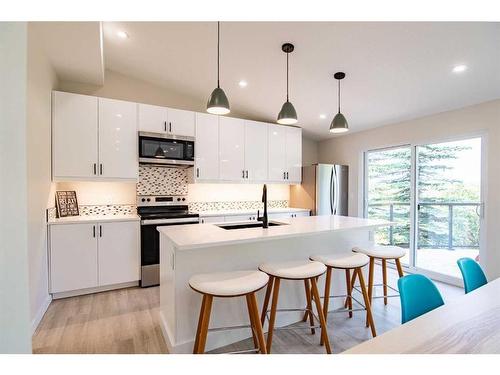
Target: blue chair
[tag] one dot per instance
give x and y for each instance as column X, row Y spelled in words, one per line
column 418, row 296
column 472, row 274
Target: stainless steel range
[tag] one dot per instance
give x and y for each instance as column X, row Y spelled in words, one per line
column 158, row 211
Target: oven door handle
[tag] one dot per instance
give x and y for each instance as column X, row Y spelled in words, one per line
column 186, row 220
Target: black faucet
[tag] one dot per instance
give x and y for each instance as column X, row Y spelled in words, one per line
column 264, row 200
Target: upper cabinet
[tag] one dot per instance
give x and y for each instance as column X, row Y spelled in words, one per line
column 93, row 138
column 206, row 148
column 285, row 154
column 74, row 135
column 232, row 149
column 155, row 119
column 117, row 139
column 256, row 151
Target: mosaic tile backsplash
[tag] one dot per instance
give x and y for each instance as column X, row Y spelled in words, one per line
column 235, row 205
column 162, row 181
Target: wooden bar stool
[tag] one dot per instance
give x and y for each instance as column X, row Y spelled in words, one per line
column 347, row 262
column 382, row 253
column 305, row 271
column 229, row 285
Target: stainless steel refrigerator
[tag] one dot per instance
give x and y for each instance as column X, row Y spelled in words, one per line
column 324, row 190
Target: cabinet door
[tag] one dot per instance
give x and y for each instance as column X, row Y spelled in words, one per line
column 301, row 213
column 249, row 217
column 180, row 122
column 119, row 254
column 294, row 154
column 231, row 149
column 74, row 132
column 211, row 219
column 73, row 257
column 206, row 148
column 118, row 139
column 256, row 150
column 281, row 215
column 277, row 152
column 152, row 118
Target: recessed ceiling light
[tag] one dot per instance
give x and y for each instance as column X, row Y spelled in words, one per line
column 459, row 68
column 122, row 34
column 322, row 116
column 243, row 83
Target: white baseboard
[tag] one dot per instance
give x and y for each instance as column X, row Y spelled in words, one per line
column 40, row 313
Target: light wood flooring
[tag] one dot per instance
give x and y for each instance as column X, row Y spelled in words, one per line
column 127, row 321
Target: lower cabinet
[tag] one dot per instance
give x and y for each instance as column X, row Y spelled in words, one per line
column 90, row 255
column 251, row 217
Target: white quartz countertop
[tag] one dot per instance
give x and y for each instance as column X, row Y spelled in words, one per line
column 92, row 219
column 250, row 211
column 193, row 236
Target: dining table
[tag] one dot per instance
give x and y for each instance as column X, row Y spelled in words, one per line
column 467, row 324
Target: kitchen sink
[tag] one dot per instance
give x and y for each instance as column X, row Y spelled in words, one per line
column 248, row 225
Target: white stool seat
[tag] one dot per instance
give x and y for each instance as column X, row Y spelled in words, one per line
column 295, row 270
column 380, row 251
column 343, row 260
column 229, row 284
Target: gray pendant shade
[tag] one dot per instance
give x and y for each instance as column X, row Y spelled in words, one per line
column 218, row 103
column 339, row 124
column 287, row 115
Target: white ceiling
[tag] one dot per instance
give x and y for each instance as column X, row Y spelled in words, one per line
column 74, row 48
column 395, row 71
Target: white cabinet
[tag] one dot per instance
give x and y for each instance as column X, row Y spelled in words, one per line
column 119, row 255
column 155, row 119
column 73, row 257
column 117, row 139
column 93, row 138
column 277, row 153
column 287, row 215
column 212, row 219
column 90, row 255
column 293, row 154
column 231, row 149
column 152, row 118
column 256, row 151
column 181, row 122
column 74, row 135
column 206, row 147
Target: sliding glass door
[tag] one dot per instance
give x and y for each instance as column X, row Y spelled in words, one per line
column 433, row 193
column 448, row 204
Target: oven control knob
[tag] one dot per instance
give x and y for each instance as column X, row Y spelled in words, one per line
column 178, row 199
column 149, row 200
column 183, row 199
column 143, row 200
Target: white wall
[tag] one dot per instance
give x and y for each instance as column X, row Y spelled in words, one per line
column 15, row 332
column 41, row 80
column 478, row 119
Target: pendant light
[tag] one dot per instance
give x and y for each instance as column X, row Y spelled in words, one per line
column 339, row 122
column 287, row 115
column 218, row 103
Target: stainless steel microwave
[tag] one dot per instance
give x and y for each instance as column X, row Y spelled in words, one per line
column 166, row 149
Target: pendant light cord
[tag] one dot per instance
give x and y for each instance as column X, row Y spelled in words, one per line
column 218, row 52
column 339, row 95
column 287, row 76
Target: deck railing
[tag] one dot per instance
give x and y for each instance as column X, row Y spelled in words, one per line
column 451, row 206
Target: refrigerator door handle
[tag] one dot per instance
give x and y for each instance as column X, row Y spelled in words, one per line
column 336, row 191
column 331, row 192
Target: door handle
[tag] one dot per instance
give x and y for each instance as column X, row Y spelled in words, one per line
column 331, row 192
column 165, row 126
column 197, row 172
column 100, row 169
column 287, row 175
column 93, row 231
column 95, row 168
column 284, row 175
column 100, row 230
column 170, row 127
column 247, row 174
column 243, row 173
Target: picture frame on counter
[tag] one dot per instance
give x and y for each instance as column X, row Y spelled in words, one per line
column 67, row 204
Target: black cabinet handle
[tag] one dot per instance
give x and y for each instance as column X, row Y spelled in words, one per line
column 284, row 175
column 243, row 173
column 95, row 168
column 197, row 172
column 100, row 169
column 170, row 127
column 93, row 231
column 287, row 175
column 165, row 126
column 100, row 230
column 247, row 173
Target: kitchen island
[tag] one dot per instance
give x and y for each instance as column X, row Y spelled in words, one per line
column 187, row 250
